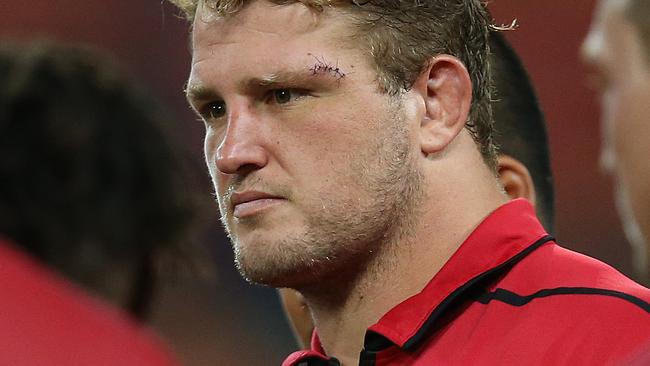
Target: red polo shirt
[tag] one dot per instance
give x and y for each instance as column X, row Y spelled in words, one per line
column 510, row 296
column 46, row 321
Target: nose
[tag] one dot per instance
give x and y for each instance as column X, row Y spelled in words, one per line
column 242, row 147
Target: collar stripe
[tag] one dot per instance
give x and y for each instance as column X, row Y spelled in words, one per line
column 514, row 299
column 459, row 294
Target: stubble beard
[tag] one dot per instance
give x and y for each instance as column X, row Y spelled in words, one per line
column 340, row 237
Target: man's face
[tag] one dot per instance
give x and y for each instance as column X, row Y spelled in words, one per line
column 313, row 166
column 614, row 49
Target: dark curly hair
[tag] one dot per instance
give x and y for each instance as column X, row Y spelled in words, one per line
column 91, row 180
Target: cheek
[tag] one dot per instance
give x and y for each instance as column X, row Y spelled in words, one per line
column 330, row 161
column 610, row 113
column 210, row 148
column 631, row 133
column 325, row 141
column 614, row 127
column 629, row 123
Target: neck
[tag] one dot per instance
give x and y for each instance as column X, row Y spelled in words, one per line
column 344, row 308
column 342, row 314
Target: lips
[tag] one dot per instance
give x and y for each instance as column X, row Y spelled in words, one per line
column 249, row 203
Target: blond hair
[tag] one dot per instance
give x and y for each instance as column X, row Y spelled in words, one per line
column 402, row 36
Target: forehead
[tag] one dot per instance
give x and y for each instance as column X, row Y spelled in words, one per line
column 257, row 16
column 263, row 36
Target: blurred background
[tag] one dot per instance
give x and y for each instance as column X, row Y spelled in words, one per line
column 218, row 319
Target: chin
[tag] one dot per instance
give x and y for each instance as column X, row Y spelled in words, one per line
column 286, row 268
column 275, row 274
column 265, row 259
column 633, row 232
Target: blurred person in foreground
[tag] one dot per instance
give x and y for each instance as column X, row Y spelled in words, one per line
column 353, row 159
column 524, row 164
column 618, row 48
column 92, row 191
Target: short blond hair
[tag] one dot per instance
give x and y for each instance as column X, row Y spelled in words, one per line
column 402, row 36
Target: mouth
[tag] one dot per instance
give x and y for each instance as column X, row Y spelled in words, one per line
column 250, row 203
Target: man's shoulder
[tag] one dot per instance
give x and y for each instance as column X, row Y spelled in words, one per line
column 562, row 266
column 570, row 308
column 553, row 270
column 45, row 319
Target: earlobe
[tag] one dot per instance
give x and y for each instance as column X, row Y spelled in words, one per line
column 446, row 89
column 515, row 178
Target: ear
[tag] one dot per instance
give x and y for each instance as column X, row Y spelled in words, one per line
column 515, row 178
column 446, row 89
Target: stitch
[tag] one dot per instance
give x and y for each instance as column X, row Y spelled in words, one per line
column 323, row 67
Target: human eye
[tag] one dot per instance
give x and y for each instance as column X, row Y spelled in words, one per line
column 286, row 95
column 213, row 111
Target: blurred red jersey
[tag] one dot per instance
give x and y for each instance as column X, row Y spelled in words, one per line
column 46, row 321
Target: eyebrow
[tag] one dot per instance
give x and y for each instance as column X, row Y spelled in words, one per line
column 199, row 93
column 284, row 78
column 277, row 79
